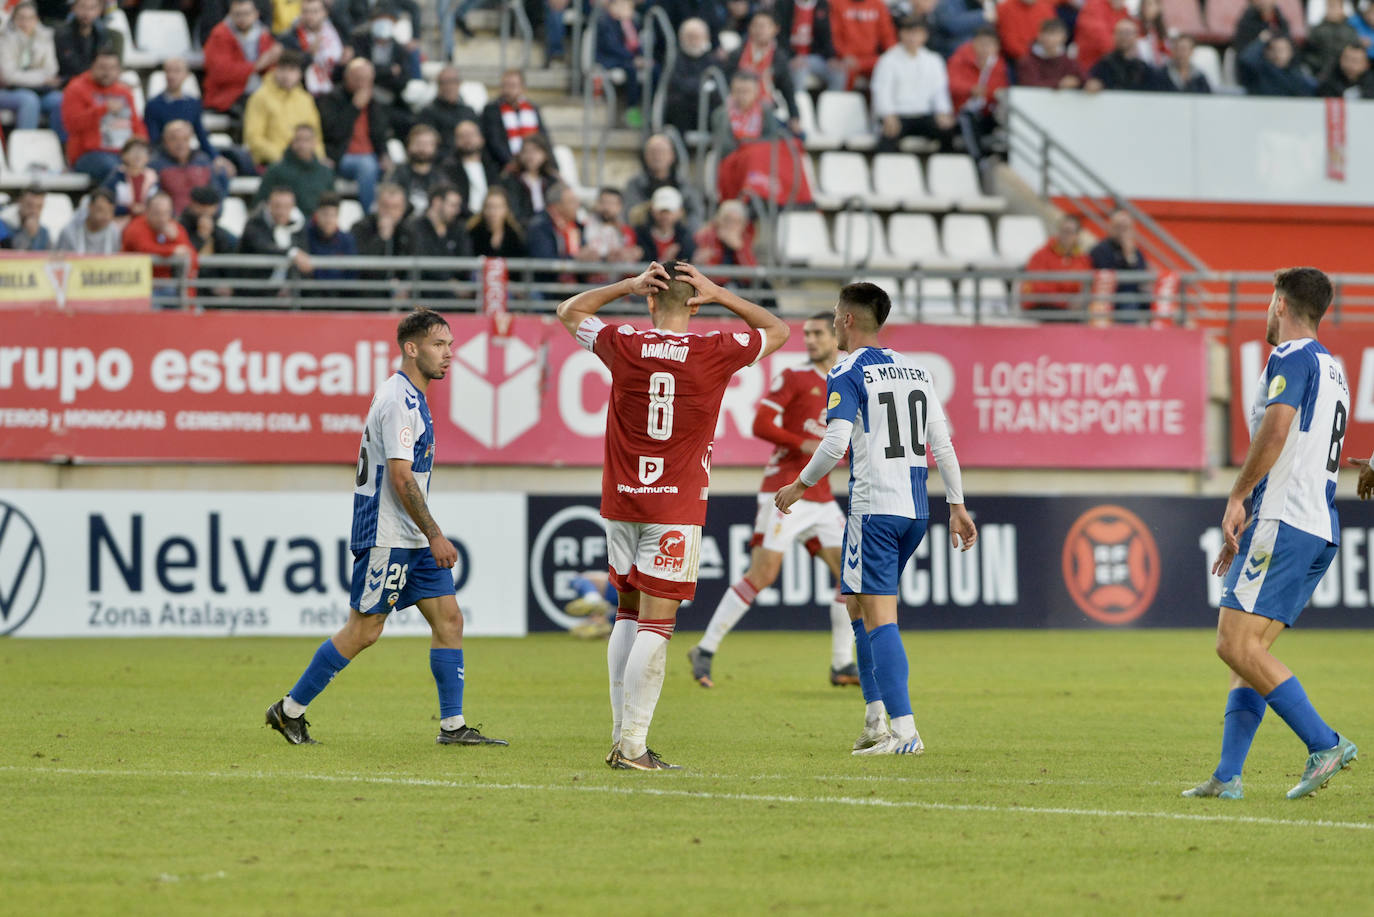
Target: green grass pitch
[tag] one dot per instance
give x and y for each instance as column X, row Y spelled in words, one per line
column 139, row 779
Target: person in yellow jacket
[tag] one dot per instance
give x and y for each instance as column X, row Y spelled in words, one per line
column 275, row 109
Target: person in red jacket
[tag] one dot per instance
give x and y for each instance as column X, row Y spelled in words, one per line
column 99, row 115
column 977, row 76
column 156, row 232
column 239, row 50
column 1062, row 253
column 1094, row 29
column 860, row 30
column 1018, row 24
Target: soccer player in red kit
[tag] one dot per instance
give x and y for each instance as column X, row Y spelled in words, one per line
column 666, row 388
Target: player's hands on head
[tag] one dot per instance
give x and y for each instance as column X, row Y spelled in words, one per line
column 654, row 278
column 1364, row 488
column 707, row 290
column 445, row 554
column 963, row 534
column 790, row 494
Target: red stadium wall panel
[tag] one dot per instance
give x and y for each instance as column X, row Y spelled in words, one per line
column 296, row 387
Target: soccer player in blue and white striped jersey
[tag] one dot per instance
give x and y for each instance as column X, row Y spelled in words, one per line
column 882, row 408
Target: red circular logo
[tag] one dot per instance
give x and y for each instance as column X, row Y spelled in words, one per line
column 672, row 544
column 1111, row 565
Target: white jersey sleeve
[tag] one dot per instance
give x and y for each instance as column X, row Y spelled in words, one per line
column 398, row 427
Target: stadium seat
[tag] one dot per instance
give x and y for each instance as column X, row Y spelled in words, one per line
column 566, row 162
column 1207, row 61
column 1221, row 17
column 57, row 213
column 244, row 185
column 118, row 21
column 900, row 174
column 135, row 83
column 914, row 239
column 845, row 115
column 953, row 175
column 419, row 93
column 888, row 284
column 1018, row 236
column 396, row 150
column 861, row 242
column 34, row 151
column 802, row 239
column 967, row 237
column 816, row 139
column 929, row 298
column 233, row 215
column 165, row 33
column 1184, row 17
column 350, row 212
column 991, row 296
column 157, row 84
column 844, row 177
column 474, row 93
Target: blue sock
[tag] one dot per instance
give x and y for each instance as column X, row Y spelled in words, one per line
column 326, row 663
column 1290, row 701
column 864, row 651
column 447, row 666
column 582, row 586
column 610, row 595
column 1244, row 711
column 890, row 669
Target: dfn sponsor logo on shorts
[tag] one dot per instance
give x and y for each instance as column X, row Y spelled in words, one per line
column 1111, row 565
column 672, row 548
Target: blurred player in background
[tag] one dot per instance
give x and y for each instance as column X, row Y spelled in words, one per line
column 401, row 556
column 666, row 388
column 883, row 408
column 792, row 418
column 1297, row 425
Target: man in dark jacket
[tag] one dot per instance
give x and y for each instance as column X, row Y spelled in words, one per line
column 1122, row 68
column 763, row 55
column 1262, row 19
column 393, row 64
column 804, row 29
column 274, row 230
column 510, row 118
column 447, row 109
column 77, row 39
column 694, row 58
column 1178, row 73
column 1351, row 77
column 385, row 234
column 300, row 170
column 1271, row 69
column 439, row 233
column 323, row 237
column 469, row 167
column 1119, row 252
column 200, row 220
column 358, row 150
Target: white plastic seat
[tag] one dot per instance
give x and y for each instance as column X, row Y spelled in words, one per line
column 816, row 139
column 56, row 214
column 396, row 151
column 1018, row 237
column 861, row 241
column 474, row 93
column 419, row 93
column 991, row 296
column 803, row 239
column 216, row 121
column 915, row 240
column 899, row 174
column 164, row 34
column 34, row 151
column 889, row 284
column 244, row 185
column 135, row 83
column 844, row 176
column 233, row 215
column 929, row 298
column 967, row 237
column 350, row 212
column 1207, row 61
column 845, row 115
column 565, row 160
column 954, row 176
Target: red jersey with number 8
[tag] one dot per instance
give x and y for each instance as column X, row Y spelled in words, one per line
column 666, row 389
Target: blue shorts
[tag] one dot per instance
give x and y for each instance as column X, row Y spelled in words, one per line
column 385, row 579
column 1276, row 570
column 876, row 550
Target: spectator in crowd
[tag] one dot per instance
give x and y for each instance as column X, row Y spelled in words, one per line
column 911, row 90
column 861, row 30
column 359, row 10
column 728, row 239
column 447, row 110
column 239, row 50
column 29, row 84
column 660, row 170
column 356, row 129
column 952, row 23
column 1262, row 20
column 607, row 233
column 1328, row 38
column 744, row 119
column 181, row 168
column 1096, row 29
column 557, row 234
column 469, row 167
column 1178, row 73
column 1352, row 77
column 93, row 230
column 173, row 104
column 420, row 172
column 385, row 234
column 736, row 22
column 315, row 36
column 1018, row 25
column 1363, row 24
column 79, row 38
column 275, row 229
column 207, row 237
column 301, row 169
column 977, row 76
column 694, row 58
column 324, row 238
column 617, row 50
column 132, row 183
column 1154, row 34
column 275, row 108
column 1119, row 252
column 528, row 186
column 1122, row 68
column 154, row 232
column 762, row 56
column 1048, row 65
column 664, row 237
column 439, row 233
column 805, row 29
column 510, row 119
column 493, row 230
column 28, row 234
column 212, row 12
column 1061, row 254
column 1270, row 68
column 99, row 115
column 393, row 63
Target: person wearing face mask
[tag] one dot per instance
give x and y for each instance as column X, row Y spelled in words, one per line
column 238, row 52
column 394, row 63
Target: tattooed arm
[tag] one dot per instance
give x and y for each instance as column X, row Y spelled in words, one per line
column 408, row 491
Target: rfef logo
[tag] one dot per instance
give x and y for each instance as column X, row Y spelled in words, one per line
column 22, row 568
column 1111, row 565
column 494, row 389
column 672, row 549
column 571, row 542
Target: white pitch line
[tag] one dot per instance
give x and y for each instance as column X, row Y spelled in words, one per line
column 694, row 794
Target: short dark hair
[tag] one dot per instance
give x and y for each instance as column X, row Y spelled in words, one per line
column 133, row 143
column 824, row 315
column 290, row 57
column 106, row 50
column 869, row 298
column 439, row 190
column 282, row 189
column 329, row 199
column 1306, row 290
column 677, row 294
column 100, row 194
column 1353, row 44
column 33, row 190
column 205, row 195
column 607, row 189
column 913, row 22
column 986, row 31
column 1053, row 23
column 417, row 325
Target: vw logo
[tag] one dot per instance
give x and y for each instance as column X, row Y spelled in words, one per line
column 22, row 568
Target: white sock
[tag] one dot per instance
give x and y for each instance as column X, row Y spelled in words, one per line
column 450, row 723
column 732, row 607
column 841, row 636
column 643, row 683
column 617, row 654
column 874, row 713
column 291, row 708
column 904, row 727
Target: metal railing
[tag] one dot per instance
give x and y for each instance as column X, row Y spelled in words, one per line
column 657, row 28
column 513, row 11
